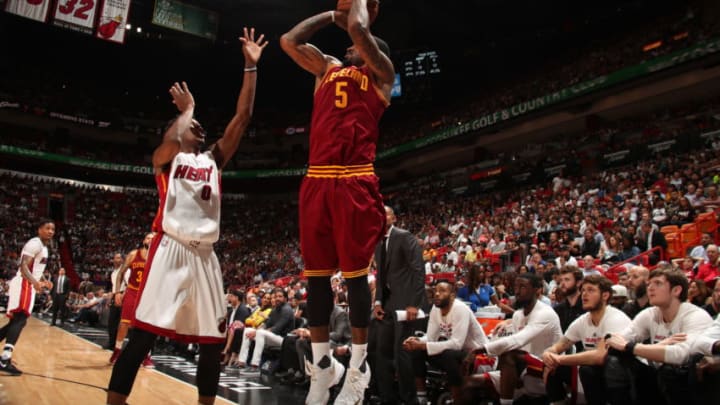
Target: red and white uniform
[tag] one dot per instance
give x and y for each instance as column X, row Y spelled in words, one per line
column 22, row 293
column 181, row 295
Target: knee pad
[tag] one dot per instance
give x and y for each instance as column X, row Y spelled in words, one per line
column 319, row 301
column 359, row 301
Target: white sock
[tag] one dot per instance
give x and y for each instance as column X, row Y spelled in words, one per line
column 357, row 356
column 7, row 353
column 320, row 350
column 506, row 401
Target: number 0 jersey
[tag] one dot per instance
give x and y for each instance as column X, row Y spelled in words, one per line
column 346, row 111
column 190, row 198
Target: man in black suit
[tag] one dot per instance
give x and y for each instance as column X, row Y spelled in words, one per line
column 60, row 292
column 400, row 286
column 651, row 239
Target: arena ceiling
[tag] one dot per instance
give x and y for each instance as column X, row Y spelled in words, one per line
column 476, row 40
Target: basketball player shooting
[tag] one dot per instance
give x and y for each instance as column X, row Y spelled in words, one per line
column 181, row 294
column 341, row 210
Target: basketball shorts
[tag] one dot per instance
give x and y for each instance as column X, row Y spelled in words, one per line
column 181, row 295
column 533, row 384
column 342, row 218
column 129, row 304
column 21, row 296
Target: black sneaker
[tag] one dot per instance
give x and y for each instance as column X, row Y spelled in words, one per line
column 8, row 367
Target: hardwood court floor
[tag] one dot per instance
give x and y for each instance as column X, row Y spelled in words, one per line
column 61, row 368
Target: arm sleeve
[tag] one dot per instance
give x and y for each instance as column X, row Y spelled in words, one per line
column 520, row 339
column 460, row 324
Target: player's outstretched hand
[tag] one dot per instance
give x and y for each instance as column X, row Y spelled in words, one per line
column 182, row 98
column 252, row 48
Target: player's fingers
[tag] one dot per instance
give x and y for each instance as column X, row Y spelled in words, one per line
column 252, row 34
column 185, row 87
column 260, row 38
column 245, row 33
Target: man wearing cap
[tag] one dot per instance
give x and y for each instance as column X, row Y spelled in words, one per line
column 619, row 296
column 564, row 258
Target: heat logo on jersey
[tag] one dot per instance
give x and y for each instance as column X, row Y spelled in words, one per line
column 193, row 173
column 354, row 74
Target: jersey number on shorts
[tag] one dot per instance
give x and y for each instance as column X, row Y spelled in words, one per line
column 341, row 94
column 206, row 192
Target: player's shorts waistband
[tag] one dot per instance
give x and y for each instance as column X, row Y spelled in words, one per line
column 335, row 172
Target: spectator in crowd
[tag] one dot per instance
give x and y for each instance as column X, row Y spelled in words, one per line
column 627, row 377
column 713, row 306
column 637, row 284
column 698, row 252
column 269, row 334
column 709, row 270
column 237, row 314
column 698, row 293
column 619, row 297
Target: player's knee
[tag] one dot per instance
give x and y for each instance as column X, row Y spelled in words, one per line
column 319, row 302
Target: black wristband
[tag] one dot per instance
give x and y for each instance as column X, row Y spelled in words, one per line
column 630, row 348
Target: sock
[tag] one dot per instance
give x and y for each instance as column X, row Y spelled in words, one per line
column 506, row 401
column 357, row 357
column 7, row 353
column 320, row 350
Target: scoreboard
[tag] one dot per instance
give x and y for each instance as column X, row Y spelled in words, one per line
column 421, row 64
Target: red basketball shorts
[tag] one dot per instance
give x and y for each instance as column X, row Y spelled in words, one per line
column 342, row 218
column 128, row 306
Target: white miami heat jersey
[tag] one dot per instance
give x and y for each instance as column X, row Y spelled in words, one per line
column 190, row 199
column 39, row 252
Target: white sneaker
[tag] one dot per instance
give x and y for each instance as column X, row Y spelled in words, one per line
column 321, row 379
column 353, row 390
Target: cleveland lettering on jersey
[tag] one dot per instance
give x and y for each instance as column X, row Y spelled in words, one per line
column 354, row 74
column 193, row 173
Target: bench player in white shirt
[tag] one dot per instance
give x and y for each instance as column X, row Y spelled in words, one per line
column 181, row 295
column 28, row 280
column 665, row 325
column 535, row 327
column 590, row 329
column 452, row 332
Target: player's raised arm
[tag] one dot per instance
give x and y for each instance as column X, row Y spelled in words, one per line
column 358, row 26
column 295, row 44
column 228, row 144
column 170, row 146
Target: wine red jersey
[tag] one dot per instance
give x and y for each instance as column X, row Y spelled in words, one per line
column 137, row 268
column 346, row 112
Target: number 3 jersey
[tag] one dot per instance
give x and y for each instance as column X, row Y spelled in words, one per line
column 346, row 111
column 190, row 199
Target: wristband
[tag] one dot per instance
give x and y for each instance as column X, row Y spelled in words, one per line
column 251, row 69
column 630, row 347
